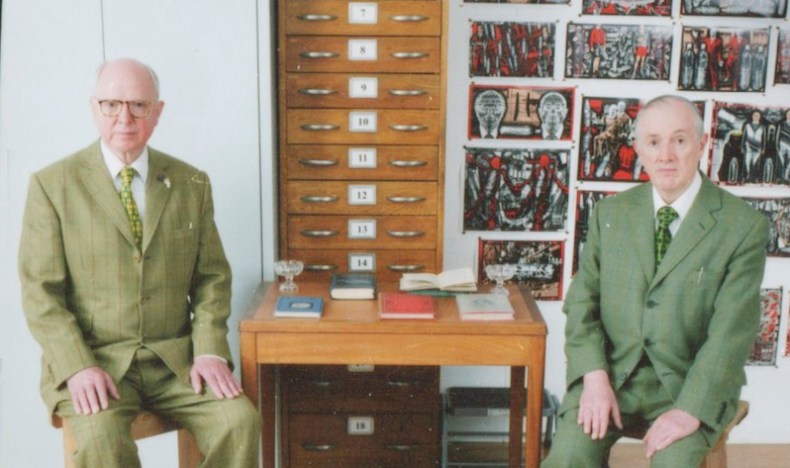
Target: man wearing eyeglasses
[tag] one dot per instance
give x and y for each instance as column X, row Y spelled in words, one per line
column 127, row 289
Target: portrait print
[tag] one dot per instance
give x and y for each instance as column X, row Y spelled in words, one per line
column 516, row 189
column 782, row 68
column 777, row 210
column 627, row 7
column 585, row 202
column 767, row 340
column 616, row 51
column 520, row 112
column 538, row 264
column 722, row 59
column 751, row 145
column 511, row 49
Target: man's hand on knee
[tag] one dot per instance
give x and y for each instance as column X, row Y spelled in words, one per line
column 89, row 390
column 668, row 428
column 597, row 404
column 216, row 373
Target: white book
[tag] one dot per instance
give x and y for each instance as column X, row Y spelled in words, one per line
column 484, row 307
column 460, row 279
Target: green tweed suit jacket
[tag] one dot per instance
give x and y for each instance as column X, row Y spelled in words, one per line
column 92, row 299
column 695, row 316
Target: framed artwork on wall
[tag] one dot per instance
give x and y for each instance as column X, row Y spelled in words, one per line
column 520, row 112
column 618, row 51
column 777, row 210
column 627, row 7
column 723, row 59
column 538, row 264
column 585, row 202
column 521, row 2
column 767, row 340
column 515, row 189
column 751, row 145
column 511, row 49
column 762, row 8
column 782, row 68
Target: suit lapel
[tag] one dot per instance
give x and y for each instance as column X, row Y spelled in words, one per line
column 695, row 227
column 157, row 192
column 641, row 233
column 99, row 184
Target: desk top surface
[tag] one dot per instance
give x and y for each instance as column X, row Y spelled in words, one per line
column 361, row 316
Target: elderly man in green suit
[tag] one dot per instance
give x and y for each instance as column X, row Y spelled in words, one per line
column 658, row 333
column 126, row 287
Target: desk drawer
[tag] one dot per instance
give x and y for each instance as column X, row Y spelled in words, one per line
column 382, row 232
column 383, row 127
column 382, row 389
column 389, row 264
column 394, row 18
column 334, row 162
column 370, row 91
column 363, row 55
column 397, row 441
column 362, row 198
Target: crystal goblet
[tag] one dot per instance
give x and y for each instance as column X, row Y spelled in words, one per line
column 288, row 269
column 499, row 273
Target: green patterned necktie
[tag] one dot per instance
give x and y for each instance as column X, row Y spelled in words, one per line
column 663, row 237
column 127, row 174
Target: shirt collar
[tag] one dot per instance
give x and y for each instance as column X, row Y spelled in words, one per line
column 683, row 203
column 114, row 165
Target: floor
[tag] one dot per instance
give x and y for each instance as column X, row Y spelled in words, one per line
column 738, row 456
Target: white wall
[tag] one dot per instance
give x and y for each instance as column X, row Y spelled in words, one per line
column 767, row 389
column 216, row 84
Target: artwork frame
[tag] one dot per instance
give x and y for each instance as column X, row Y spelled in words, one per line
column 585, row 204
column 766, row 343
column 512, row 49
column 734, row 8
column 782, row 59
column 777, row 210
column 661, row 8
column 539, row 264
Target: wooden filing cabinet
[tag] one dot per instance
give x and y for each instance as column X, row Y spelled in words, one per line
column 361, row 135
column 339, row 416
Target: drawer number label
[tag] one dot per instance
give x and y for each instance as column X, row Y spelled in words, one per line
column 361, row 194
column 362, row 158
column 363, row 87
column 362, row 122
column 361, row 262
column 361, row 228
column 360, row 425
column 362, row 49
column 363, row 13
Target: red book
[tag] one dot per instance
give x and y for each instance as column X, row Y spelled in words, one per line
column 405, row 306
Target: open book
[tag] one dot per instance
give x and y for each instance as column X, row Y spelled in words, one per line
column 460, row 279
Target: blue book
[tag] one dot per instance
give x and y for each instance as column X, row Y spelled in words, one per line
column 299, row 306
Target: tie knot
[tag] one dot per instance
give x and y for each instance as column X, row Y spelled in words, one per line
column 666, row 214
column 127, row 174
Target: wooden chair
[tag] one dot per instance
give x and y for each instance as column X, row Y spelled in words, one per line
column 146, row 424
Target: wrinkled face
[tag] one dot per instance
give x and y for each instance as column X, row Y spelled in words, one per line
column 125, row 134
column 669, row 146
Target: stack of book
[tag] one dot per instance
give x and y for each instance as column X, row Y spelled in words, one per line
column 299, row 306
column 352, row 286
column 405, row 306
column 484, row 307
column 458, row 280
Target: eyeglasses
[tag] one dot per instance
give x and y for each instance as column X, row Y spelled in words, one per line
column 113, row 107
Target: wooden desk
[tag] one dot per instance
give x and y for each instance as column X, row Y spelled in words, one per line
column 350, row 332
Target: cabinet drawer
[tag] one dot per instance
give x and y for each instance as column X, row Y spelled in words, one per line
column 383, row 389
column 343, row 232
column 397, row 441
column 338, row 162
column 389, row 264
column 384, row 127
column 382, row 54
column 390, row 198
column 393, row 18
column 363, row 91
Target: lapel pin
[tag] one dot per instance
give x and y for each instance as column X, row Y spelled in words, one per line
column 163, row 178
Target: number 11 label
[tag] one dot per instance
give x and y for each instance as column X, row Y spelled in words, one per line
column 362, row 158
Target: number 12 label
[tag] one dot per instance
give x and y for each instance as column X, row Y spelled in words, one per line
column 361, row 194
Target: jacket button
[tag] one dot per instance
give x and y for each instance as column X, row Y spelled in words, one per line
column 647, row 343
column 651, row 303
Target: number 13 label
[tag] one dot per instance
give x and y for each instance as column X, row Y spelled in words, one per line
column 361, row 228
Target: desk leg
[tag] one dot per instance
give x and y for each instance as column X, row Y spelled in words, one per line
column 250, row 379
column 535, row 406
column 268, row 415
column 516, row 415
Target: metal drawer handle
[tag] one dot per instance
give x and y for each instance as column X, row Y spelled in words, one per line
column 318, row 162
column 406, row 267
column 317, row 91
column 319, row 447
column 406, row 199
column 399, row 163
column 319, row 127
column 313, row 267
column 319, row 198
column 406, row 233
column 318, row 55
column 409, row 18
column 408, row 128
column 398, row 383
column 402, row 447
column 315, row 17
column 409, row 55
column 407, row 92
column 318, row 233
column 321, row 383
